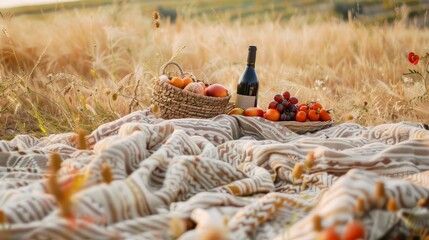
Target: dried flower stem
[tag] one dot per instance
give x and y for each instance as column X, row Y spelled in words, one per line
column 3, row 217
column 392, row 206
column 297, row 171
column 380, row 195
column 55, row 162
column 317, row 223
column 81, row 141
column 360, row 207
column 106, row 173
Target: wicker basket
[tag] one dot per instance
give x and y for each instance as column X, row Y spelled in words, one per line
column 174, row 102
column 303, row 127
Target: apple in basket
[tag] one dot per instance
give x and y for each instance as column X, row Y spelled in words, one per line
column 195, row 88
column 216, row 90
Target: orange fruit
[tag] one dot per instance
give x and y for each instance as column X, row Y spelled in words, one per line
column 316, row 106
column 177, row 82
column 301, row 116
column 303, row 108
column 272, row 115
column 313, row 115
column 324, row 115
column 187, row 80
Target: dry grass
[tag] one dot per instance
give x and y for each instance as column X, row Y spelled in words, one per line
column 78, row 69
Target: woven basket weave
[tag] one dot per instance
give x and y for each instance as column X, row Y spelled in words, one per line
column 303, row 127
column 174, row 102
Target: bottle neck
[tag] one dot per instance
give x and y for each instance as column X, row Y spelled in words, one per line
column 251, row 58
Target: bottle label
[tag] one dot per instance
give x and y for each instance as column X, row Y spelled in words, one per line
column 243, row 101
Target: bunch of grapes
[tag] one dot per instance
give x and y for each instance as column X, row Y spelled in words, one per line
column 285, row 105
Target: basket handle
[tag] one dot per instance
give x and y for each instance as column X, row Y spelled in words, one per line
column 163, row 67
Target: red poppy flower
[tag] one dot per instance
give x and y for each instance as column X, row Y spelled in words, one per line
column 413, row 58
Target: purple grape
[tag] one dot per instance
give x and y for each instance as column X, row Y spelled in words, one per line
column 278, row 98
column 293, row 100
column 286, row 95
column 285, row 103
column 293, row 108
column 280, row 108
column 273, row 105
column 292, row 115
column 283, row 117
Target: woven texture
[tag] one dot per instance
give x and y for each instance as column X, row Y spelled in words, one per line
column 183, row 178
column 174, row 102
column 304, row 127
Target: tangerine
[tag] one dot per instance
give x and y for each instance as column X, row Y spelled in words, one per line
column 313, row 115
column 187, row 80
column 177, row 82
column 316, row 106
column 324, row 115
column 303, row 108
column 301, row 116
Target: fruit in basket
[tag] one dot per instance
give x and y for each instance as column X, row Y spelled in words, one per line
column 273, row 105
column 272, row 114
column 313, row 115
column 280, row 108
column 324, row 115
column 216, row 90
column 315, row 106
column 253, row 112
column 301, row 116
column 286, row 95
column 187, row 80
column 195, row 88
column 293, row 100
column 202, row 85
column 278, row 98
column 236, row 111
column 177, row 82
column 303, row 107
column 164, row 78
column 286, row 103
column 289, row 110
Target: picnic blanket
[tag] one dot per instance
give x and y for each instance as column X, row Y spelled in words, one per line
column 227, row 177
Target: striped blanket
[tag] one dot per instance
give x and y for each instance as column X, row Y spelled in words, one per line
column 230, row 177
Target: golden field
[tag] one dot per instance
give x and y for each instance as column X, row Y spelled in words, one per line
column 67, row 70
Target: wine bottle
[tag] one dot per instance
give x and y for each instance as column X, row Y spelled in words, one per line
column 247, row 87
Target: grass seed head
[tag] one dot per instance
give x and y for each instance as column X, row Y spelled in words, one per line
column 81, row 140
column 392, row 206
column 155, row 15
column 360, row 206
column 309, row 160
column 55, row 162
column 106, row 173
column 177, row 227
column 298, row 169
column 317, row 223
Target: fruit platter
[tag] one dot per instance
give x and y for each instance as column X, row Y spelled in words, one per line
column 287, row 111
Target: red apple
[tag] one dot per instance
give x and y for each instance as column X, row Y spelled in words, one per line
column 216, row 90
